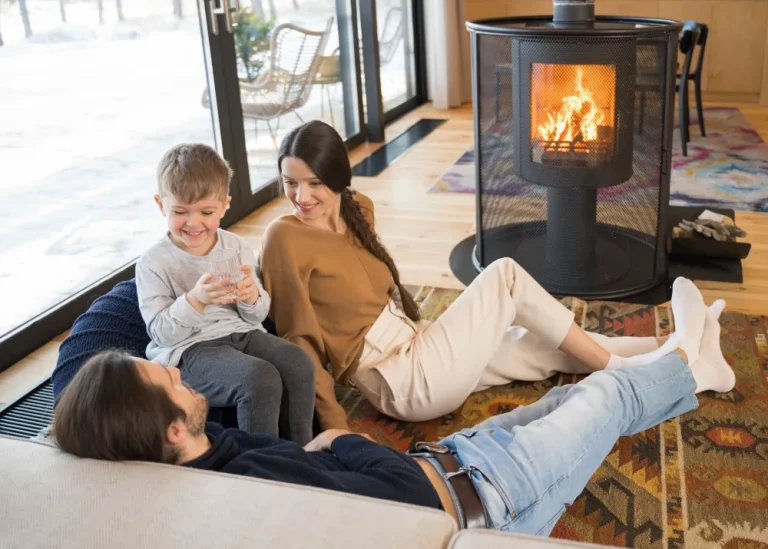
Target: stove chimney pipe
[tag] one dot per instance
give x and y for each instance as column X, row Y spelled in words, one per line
column 574, row 12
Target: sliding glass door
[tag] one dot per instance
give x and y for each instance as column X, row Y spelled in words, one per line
column 302, row 66
column 394, row 60
column 397, row 56
column 93, row 92
column 91, row 95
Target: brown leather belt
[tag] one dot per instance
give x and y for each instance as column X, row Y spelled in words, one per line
column 468, row 505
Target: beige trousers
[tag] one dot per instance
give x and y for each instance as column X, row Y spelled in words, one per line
column 503, row 327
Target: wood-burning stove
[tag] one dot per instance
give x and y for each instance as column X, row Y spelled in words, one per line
column 569, row 182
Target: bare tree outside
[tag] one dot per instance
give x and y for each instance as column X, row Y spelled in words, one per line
column 257, row 8
column 101, row 11
column 25, row 18
column 177, row 9
column 120, row 16
column 63, row 11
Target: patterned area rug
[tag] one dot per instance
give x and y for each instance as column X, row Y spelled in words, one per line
column 728, row 168
column 696, row 482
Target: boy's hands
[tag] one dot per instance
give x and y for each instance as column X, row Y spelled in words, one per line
column 207, row 292
column 247, row 290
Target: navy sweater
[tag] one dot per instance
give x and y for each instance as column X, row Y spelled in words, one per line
column 355, row 465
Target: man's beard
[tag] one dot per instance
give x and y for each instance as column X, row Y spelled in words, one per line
column 197, row 418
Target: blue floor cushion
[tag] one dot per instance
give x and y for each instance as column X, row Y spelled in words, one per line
column 113, row 321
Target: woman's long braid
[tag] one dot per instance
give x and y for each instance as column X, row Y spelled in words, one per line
column 358, row 224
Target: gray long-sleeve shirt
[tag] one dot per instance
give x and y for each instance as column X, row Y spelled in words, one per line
column 164, row 274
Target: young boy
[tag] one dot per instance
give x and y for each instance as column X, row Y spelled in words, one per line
column 217, row 340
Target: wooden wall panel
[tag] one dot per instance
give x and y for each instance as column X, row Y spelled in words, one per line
column 738, row 42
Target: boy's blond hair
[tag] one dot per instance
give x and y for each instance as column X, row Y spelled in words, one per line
column 191, row 172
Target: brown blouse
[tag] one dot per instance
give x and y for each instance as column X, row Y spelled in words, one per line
column 327, row 290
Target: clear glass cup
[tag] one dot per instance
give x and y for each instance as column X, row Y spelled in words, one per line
column 225, row 265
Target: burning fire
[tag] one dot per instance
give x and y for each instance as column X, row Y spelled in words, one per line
column 577, row 121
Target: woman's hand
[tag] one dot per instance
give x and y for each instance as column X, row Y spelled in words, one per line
column 247, row 290
column 323, row 441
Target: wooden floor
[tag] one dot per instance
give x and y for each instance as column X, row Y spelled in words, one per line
column 421, row 229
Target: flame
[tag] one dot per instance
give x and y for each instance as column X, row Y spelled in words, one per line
column 577, row 120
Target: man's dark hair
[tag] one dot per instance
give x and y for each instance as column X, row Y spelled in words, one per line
column 110, row 412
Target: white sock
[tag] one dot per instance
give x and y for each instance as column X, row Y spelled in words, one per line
column 711, row 372
column 690, row 314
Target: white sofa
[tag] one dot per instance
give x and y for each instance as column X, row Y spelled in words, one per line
column 51, row 499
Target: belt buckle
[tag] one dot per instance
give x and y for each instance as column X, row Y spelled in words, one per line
column 432, row 447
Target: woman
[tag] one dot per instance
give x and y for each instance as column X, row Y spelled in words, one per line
column 332, row 283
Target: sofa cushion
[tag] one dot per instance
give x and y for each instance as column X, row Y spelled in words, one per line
column 485, row 539
column 51, row 499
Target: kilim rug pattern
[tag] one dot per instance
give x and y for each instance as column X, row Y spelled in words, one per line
column 697, row 482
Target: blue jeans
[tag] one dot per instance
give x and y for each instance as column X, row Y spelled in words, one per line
column 528, row 464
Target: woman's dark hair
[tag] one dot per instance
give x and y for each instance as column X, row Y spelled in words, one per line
column 108, row 411
column 324, row 151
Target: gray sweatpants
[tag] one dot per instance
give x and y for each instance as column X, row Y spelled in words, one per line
column 269, row 380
